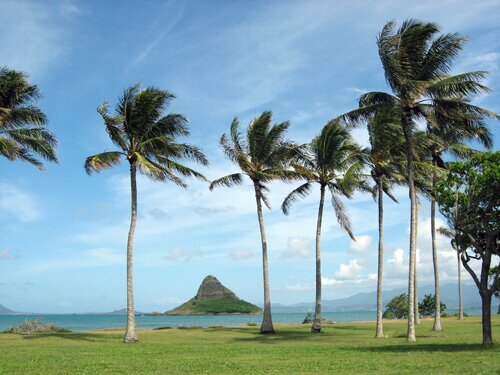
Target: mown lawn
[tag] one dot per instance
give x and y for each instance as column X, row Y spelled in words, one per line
column 341, row 349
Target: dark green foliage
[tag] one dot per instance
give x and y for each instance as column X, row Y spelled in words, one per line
column 215, row 306
column 427, row 307
column 397, row 308
column 22, row 124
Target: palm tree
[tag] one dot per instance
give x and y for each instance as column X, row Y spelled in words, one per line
column 146, row 138
column 416, row 63
column 449, row 137
column 262, row 156
column 23, row 135
column 385, row 161
column 334, row 162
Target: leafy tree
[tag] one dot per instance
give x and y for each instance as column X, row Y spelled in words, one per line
column 427, row 307
column 23, row 135
column 469, row 200
column 397, row 308
column 263, row 156
column 334, row 162
column 146, row 138
column 416, row 61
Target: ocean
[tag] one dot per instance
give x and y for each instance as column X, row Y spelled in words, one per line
column 75, row 322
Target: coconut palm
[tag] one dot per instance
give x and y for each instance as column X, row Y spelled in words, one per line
column 385, row 160
column 262, row 156
column 146, row 138
column 334, row 162
column 416, row 61
column 449, row 137
column 23, row 135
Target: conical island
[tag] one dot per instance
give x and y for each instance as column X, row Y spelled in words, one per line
column 214, row 298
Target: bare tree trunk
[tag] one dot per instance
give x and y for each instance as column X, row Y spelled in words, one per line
column 437, row 293
column 498, row 311
column 408, row 133
column 380, row 327
column 267, row 322
column 316, row 325
column 460, row 302
column 130, row 333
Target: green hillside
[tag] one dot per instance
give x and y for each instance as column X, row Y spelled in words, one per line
column 223, row 305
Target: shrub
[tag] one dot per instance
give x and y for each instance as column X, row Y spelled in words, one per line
column 29, row 327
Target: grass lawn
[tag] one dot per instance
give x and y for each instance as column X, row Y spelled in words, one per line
column 347, row 348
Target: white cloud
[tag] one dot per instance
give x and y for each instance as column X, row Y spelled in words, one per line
column 18, row 203
column 298, row 247
column 185, row 255
column 361, row 245
column 349, row 271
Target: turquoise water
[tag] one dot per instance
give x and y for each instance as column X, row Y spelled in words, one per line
column 89, row 322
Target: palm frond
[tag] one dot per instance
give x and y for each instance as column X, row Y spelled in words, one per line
column 340, row 213
column 228, row 181
column 104, row 160
column 301, row 192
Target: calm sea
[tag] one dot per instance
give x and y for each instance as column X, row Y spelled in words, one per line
column 90, row 322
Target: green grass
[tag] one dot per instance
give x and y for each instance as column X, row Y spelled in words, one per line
column 216, row 306
column 341, row 349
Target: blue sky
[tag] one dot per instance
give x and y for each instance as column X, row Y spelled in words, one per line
column 63, row 236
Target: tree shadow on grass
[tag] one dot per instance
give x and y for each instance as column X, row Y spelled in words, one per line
column 76, row 336
column 410, row 347
column 278, row 336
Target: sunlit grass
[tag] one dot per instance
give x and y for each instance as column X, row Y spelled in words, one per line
column 348, row 348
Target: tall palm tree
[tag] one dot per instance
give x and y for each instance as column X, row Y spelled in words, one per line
column 449, row 137
column 385, row 160
column 263, row 156
column 146, row 138
column 416, row 61
column 23, row 135
column 334, row 162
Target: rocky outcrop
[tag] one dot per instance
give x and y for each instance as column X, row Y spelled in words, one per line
column 211, row 288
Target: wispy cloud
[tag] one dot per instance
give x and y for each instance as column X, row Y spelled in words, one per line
column 32, row 39
column 172, row 15
column 17, row 203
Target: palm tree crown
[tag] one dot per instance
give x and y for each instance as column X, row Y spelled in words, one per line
column 263, row 155
column 147, row 138
column 333, row 161
column 22, row 132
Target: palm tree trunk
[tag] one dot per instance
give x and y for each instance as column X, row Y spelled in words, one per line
column 316, row 326
column 267, row 322
column 417, row 313
column 380, row 327
column 131, row 334
column 460, row 302
column 408, row 133
column 437, row 293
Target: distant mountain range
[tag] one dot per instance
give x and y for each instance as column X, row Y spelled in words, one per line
column 368, row 301
column 6, row 311
column 358, row 302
